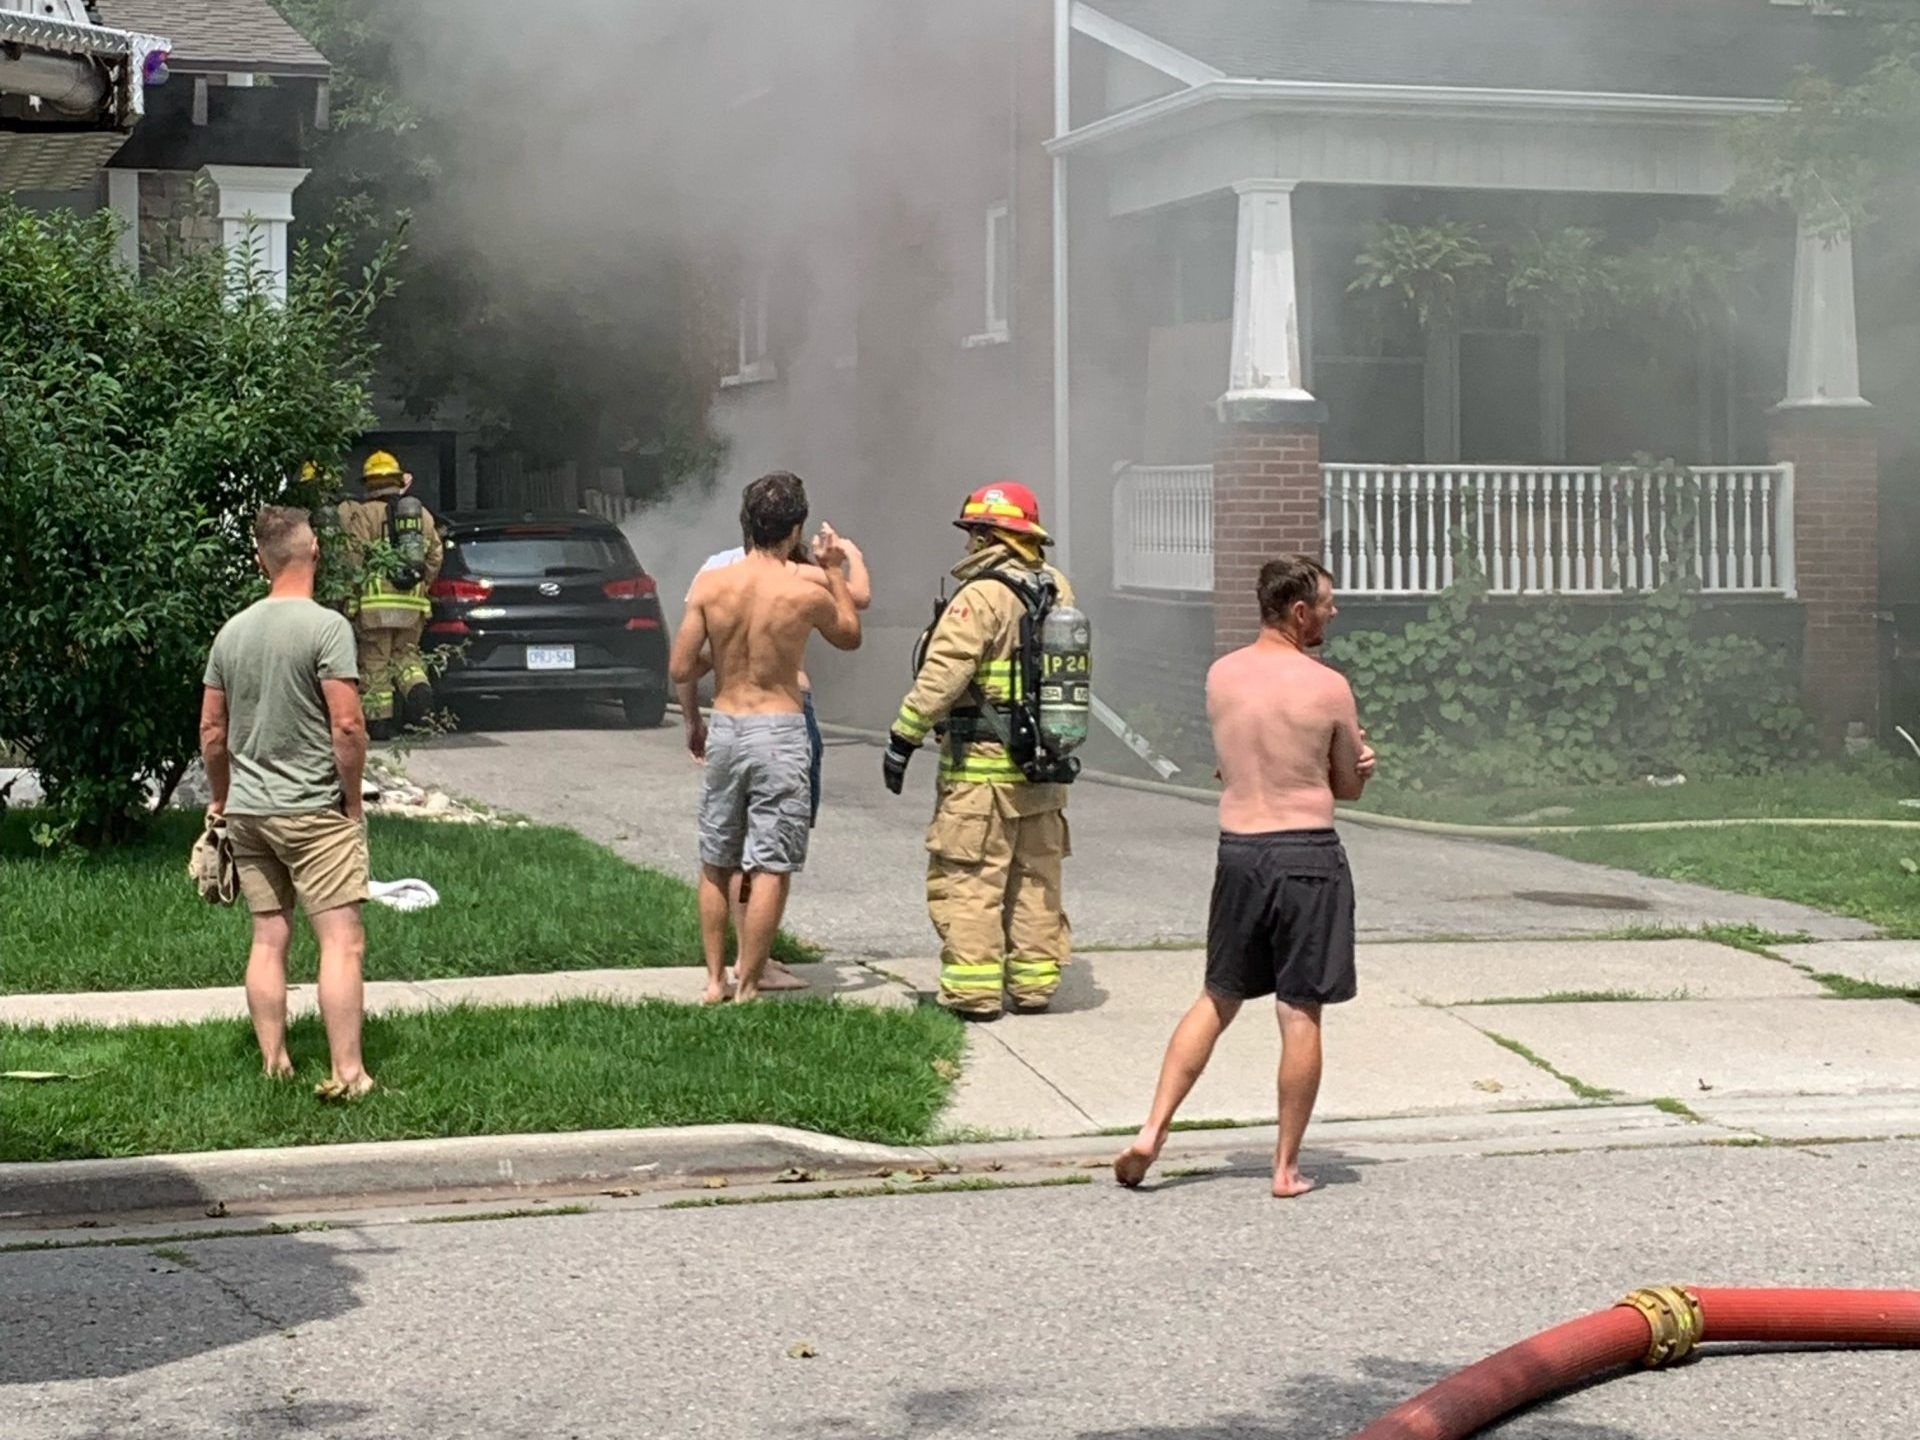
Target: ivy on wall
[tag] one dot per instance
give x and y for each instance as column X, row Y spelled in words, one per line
column 1549, row 692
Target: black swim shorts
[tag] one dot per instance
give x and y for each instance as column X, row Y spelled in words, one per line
column 1281, row 923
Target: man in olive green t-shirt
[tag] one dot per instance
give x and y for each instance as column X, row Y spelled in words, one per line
column 285, row 743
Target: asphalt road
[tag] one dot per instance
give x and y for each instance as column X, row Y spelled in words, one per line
column 1142, row 868
column 1198, row 1311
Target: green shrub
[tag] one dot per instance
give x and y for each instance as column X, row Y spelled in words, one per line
column 1545, row 694
column 142, row 422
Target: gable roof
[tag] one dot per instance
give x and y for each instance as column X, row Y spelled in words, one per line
column 221, row 35
column 1720, row 48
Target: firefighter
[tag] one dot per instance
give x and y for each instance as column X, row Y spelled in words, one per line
column 1002, row 676
column 392, row 609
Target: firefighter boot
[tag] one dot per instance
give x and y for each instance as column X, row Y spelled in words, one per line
column 1039, row 939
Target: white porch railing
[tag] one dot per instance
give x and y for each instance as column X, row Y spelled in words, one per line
column 1163, row 527
column 1533, row 530
column 609, row 505
column 1392, row 530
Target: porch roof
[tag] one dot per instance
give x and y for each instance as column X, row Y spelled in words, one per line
column 1715, row 48
column 241, row 36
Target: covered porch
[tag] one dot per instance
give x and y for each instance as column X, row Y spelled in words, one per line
column 1310, row 377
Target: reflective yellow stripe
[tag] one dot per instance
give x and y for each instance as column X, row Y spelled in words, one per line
column 413, row 604
column 983, row 772
column 911, row 723
column 1044, row 968
column 971, row 979
column 999, row 509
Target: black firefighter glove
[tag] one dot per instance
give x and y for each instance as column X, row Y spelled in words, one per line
column 893, row 764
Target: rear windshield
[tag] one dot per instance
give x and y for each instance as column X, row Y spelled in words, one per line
column 547, row 552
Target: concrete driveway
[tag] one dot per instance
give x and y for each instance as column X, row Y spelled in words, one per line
column 1142, row 867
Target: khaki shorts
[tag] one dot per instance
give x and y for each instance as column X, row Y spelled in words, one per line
column 318, row 859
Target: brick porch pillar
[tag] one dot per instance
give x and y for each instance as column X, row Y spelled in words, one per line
column 1266, row 460
column 1266, row 502
column 1835, row 456
column 1826, row 431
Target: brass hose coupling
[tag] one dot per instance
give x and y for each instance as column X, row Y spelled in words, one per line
column 1674, row 1319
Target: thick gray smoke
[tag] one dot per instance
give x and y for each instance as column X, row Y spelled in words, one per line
column 655, row 157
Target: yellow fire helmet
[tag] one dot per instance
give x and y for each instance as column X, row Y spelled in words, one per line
column 380, row 471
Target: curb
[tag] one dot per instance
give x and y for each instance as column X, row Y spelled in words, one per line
column 406, row 1171
column 419, row 1168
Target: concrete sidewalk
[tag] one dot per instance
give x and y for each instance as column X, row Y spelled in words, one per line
column 1457, row 1029
column 1440, row 1029
column 842, row 981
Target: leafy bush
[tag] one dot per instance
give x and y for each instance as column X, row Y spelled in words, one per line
column 1546, row 693
column 142, row 422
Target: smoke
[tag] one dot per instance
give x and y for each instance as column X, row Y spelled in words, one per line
column 651, row 167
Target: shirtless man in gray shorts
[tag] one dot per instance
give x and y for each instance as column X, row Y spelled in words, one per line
column 755, row 618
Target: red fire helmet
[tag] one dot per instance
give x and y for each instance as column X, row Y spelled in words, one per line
column 1003, row 505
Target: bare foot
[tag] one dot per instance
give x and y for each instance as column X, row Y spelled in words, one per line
column 1130, row 1166
column 778, row 977
column 279, row 1068
column 774, row 976
column 745, row 994
column 715, row 992
column 335, row 1089
column 1289, row 1184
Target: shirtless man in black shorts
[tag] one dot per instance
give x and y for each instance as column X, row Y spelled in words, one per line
column 1289, row 745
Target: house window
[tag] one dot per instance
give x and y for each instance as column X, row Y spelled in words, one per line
column 751, row 363
column 998, row 272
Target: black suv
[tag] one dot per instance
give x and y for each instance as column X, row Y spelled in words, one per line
column 548, row 605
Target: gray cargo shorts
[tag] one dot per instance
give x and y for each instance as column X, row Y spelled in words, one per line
column 755, row 810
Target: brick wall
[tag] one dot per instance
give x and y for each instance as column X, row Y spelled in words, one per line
column 1836, row 463
column 1266, row 502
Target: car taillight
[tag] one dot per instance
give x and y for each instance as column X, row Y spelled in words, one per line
column 643, row 622
column 461, row 592
column 447, row 627
column 638, row 588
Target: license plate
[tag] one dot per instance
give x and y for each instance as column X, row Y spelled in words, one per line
column 550, row 657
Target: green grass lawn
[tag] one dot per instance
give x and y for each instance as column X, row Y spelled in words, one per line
column 1849, row 872
column 849, row 1070
column 1868, row 789
column 511, row 901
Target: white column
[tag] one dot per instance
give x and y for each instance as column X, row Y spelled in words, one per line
column 255, row 204
column 1266, row 376
column 1823, row 361
column 123, row 199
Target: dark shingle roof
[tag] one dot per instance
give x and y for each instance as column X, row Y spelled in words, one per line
column 220, row 34
column 1745, row 48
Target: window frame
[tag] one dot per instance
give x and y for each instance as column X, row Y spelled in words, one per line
column 751, row 363
column 996, row 276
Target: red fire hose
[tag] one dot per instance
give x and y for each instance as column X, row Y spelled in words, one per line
column 1655, row 1326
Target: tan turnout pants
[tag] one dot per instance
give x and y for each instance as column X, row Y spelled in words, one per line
column 389, row 664
column 993, row 894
